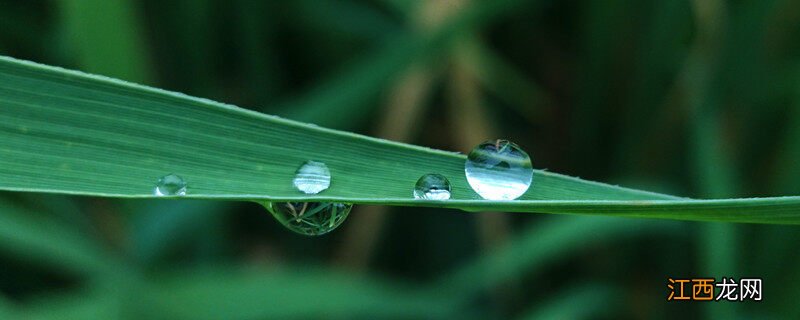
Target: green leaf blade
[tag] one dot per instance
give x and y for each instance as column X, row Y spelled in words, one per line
column 69, row 132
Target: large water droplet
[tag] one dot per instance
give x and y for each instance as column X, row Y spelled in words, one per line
column 432, row 186
column 310, row 218
column 499, row 170
column 312, row 177
column 170, row 185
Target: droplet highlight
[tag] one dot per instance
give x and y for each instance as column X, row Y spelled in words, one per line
column 499, row 170
column 170, row 185
column 310, row 218
column 432, row 186
column 312, row 177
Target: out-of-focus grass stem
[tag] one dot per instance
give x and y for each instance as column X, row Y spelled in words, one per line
column 712, row 164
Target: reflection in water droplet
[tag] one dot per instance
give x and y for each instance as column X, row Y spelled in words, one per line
column 170, row 185
column 499, row 170
column 432, row 186
column 312, row 177
column 310, row 218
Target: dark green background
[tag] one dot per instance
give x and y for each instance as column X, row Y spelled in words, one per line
column 693, row 98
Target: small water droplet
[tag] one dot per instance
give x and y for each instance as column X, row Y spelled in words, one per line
column 170, row 185
column 499, row 170
column 312, row 177
column 310, row 218
column 432, row 186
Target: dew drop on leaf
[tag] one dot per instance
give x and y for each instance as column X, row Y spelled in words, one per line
column 170, row 185
column 432, row 186
column 498, row 170
column 310, row 218
column 312, row 177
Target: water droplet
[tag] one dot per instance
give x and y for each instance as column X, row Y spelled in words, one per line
column 312, row 177
column 499, row 170
column 310, row 218
column 170, row 185
column 432, row 186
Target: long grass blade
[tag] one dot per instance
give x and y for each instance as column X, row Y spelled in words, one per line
column 68, row 132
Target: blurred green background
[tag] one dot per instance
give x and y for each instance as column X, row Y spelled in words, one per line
column 694, row 98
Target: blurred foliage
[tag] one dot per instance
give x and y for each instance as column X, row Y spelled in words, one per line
column 696, row 98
